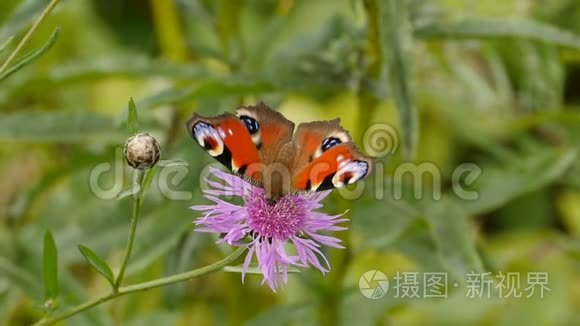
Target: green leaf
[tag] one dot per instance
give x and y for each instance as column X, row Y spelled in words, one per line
column 25, row 14
column 99, row 264
column 397, row 34
column 148, row 179
column 50, row 267
column 254, row 270
column 451, row 233
column 500, row 28
column 63, row 127
column 123, row 65
column 31, row 56
column 212, row 88
column 500, row 183
column 132, row 120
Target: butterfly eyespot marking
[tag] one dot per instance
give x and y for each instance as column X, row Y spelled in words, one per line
column 350, row 172
column 251, row 124
column 253, row 127
column 329, row 143
column 208, row 138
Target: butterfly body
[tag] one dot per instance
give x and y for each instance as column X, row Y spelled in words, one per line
column 260, row 145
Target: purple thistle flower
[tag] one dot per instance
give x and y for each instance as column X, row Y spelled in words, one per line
column 268, row 228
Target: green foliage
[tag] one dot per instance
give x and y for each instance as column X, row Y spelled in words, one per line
column 5, row 43
column 60, row 126
column 397, row 34
column 132, row 121
column 50, row 267
column 30, row 57
column 22, row 16
column 98, row 264
column 500, row 28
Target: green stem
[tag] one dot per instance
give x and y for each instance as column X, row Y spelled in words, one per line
column 367, row 100
column 169, row 30
column 144, row 287
column 26, row 37
column 136, row 208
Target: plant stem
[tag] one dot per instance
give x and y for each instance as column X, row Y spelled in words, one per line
column 136, row 208
column 26, row 37
column 144, row 287
column 169, row 30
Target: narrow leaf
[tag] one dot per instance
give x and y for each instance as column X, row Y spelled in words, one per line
column 32, row 56
column 50, row 267
column 61, row 127
column 98, row 264
column 396, row 32
column 235, row 86
column 500, row 28
column 147, row 180
column 5, row 43
column 132, row 121
column 254, row 270
column 22, row 16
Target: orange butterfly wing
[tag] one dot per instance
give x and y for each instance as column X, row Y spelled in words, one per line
column 270, row 130
column 327, row 158
column 226, row 139
column 341, row 165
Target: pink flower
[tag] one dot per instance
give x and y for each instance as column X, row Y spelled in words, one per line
column 266, row 228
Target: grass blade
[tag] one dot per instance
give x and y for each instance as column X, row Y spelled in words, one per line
column 397, row 32
column 500, row 28
column 5, row 43
column 32, row 56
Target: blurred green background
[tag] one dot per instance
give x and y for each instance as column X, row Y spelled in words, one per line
column 495, row 83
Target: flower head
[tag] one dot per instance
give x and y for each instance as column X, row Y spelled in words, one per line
column 142, row 151
column 266, row 228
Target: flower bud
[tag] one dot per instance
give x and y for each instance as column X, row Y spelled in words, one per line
column 142, row 151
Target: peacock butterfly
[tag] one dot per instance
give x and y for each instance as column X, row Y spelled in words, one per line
column 260, row 145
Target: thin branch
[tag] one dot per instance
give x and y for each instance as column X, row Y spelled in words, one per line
column 134, row 218
column 144, row 287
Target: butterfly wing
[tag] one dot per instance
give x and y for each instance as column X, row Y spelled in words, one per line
column 227, row 139
column 272, row 133
column 269, row 129
column 327, row 158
